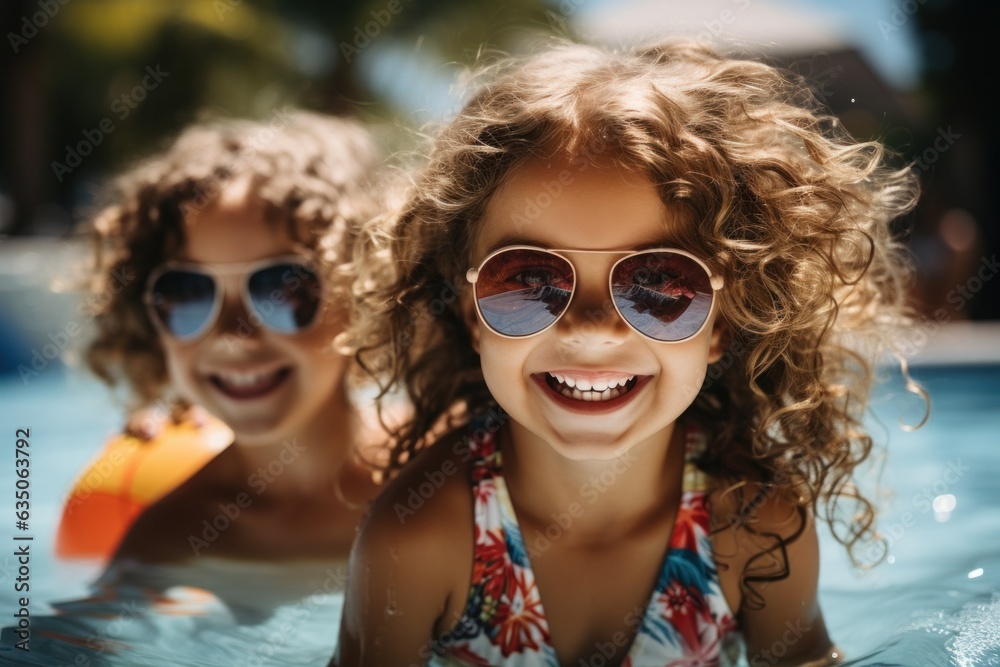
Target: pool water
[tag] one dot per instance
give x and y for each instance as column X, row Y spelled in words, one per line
column 936, row 598
column 934, row 601
column 212, row 613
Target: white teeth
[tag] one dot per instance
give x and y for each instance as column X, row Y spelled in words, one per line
column 238, row 379
column 621, row 382
column 584, row 384
column 582, row 389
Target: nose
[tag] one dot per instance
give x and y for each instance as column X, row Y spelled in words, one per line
column 591, row 320
column 235, row 324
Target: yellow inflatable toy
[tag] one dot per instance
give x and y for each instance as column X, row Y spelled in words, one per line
column 129, row 475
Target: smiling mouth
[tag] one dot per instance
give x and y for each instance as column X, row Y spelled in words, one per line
column 590, row 391
column 249, row 384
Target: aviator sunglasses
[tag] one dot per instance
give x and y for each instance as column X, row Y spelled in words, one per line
column 283, row 294
column 662, row 293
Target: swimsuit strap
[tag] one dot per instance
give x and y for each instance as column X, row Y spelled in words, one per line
column 695, row 443
column 504, row 622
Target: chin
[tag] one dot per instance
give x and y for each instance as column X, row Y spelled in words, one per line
column 259, row 432
column 593, row 454
column 591, row 447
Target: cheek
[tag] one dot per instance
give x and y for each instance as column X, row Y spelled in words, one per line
column 686, row 367
column 695, row 381
column 471, row 319
column 318, row 344
column 316, row 356
column 489, row 361
column 502, row 361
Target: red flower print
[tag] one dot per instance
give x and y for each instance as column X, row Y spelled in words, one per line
column 677, row 599
column 681, row 608
column 468, row 657
column 692, row 521
column 483, row 492
column 519, row 623
column 492, row 563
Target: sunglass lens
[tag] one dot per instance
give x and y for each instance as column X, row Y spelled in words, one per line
column 285, row 296
column 666, row 296
column 520, row 291
column 183, row 301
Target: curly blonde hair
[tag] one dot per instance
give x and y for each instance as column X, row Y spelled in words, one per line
column 316, row 174
column 777, row 197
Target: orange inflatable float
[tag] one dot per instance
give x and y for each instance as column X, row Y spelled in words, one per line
column 129, row 475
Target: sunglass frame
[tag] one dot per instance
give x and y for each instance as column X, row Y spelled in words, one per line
column 472, row 276
column 248, row 269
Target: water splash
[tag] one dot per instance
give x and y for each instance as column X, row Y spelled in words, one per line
column 974, row 632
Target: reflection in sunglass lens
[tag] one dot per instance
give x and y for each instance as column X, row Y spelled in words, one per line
column 665, row 295
column 520, row 291
column 183, row 301
column 285, row 296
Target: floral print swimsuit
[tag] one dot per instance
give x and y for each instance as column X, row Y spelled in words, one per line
column 687, row 622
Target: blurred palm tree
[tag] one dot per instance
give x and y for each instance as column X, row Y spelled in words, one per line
column 115, row 78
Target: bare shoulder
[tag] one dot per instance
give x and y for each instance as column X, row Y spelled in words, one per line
column 768, row 554
column 157, row 536
column 169, row 530
column 420, row 505
column 433, row 479
column 756, row 529
column 412, row 561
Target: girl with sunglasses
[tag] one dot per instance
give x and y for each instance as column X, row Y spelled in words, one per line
column 232, row 254
column 671, row 260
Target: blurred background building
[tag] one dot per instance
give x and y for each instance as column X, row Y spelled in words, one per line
column 91, row 85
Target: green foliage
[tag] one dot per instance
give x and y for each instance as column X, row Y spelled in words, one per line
column 223, row 57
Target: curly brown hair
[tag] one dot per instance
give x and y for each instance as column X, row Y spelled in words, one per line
column 314, row 173
column 791, row 210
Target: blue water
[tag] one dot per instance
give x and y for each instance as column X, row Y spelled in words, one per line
column 936, row 601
